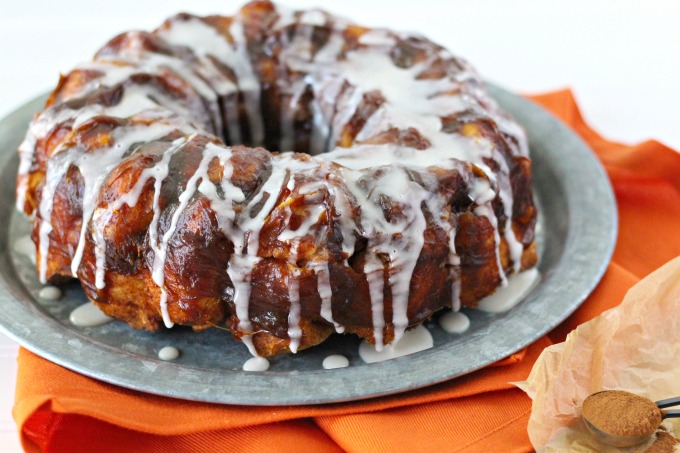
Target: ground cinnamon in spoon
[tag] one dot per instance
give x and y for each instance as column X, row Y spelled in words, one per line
column 621, row 413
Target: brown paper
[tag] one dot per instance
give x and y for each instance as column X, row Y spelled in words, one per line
column 633, row 347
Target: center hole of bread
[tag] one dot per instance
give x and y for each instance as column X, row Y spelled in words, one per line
column 290, row 120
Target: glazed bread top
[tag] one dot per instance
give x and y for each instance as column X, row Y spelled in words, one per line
column 394, row 186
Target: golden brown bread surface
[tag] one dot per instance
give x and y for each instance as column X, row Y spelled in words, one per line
column 135, row 193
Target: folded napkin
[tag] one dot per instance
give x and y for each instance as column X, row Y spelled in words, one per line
column 59, row 410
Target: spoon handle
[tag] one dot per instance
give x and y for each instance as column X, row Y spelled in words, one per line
column 668, row 402
column 671, row 414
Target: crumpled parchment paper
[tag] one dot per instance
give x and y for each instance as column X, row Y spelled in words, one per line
column 634, row 347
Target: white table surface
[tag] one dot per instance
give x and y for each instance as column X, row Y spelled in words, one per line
column 619, row 56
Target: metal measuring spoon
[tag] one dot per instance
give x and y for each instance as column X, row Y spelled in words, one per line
column 618, row 440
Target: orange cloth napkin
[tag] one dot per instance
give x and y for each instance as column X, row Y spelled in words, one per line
column 61, row 411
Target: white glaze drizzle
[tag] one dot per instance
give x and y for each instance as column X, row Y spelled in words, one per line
column 294, row 312
column 45, row 208
column 323, row 285
column 455, row 293
column 301, row 47
column 409, row 103
column 205, row 41
column 95, row 168
column 160, row 251
column 375, row 275
column 400, row 241
column 287, row 115
column 133, row 102
column 242, row 230
column 487, row 211
column 246, row 246
column 101, row 216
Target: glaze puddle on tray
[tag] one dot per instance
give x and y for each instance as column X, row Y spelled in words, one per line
column 256, row 364
column 510, row 295
column 88, row 315
column 50, row 293
column 415, row 340
column 454, row 322
column 24, row 245
column 334, row 361
column 168, row 353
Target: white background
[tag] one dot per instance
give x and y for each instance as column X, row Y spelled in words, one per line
column 621, row 58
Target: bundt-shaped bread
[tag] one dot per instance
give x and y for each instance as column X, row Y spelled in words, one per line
column 160, row 176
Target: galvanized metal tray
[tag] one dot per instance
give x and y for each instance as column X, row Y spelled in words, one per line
column 578, row 223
